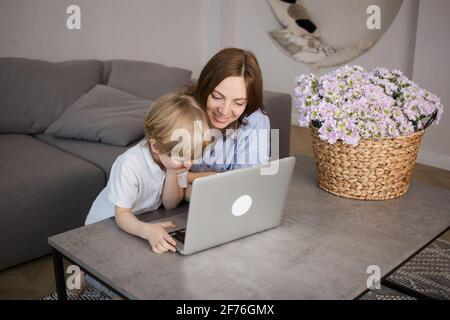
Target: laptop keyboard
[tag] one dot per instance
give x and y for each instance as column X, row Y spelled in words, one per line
column 179, row 235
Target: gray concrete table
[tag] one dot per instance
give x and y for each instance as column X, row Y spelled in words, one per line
column 321, row 250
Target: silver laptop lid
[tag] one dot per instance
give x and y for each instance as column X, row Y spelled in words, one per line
column 237, row 203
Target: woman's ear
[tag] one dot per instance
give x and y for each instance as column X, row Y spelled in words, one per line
column 153, row 148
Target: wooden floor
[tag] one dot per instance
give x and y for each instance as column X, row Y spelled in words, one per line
column 34, row 279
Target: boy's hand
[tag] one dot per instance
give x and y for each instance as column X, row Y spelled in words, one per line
column 187, row 193
column 159, row 239
column 175, row 171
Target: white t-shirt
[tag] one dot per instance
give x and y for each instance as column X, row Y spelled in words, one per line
column 136, row 182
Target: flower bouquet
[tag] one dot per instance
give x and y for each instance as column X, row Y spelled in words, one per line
column 366, row 128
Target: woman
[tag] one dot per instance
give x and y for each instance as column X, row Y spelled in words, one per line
column 230, row 91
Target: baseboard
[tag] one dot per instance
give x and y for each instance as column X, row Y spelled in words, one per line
column 434, row 159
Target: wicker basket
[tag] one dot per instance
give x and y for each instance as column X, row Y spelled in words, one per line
column 373, row 170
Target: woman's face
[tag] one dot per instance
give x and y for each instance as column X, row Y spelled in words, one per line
column 227, row 102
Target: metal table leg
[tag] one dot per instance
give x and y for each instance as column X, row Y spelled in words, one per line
column 60, row 279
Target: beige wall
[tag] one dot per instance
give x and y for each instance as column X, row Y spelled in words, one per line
column 255, row 19
column 163, row 31
column 424, row 59
column 186, row 33
column 432, row 70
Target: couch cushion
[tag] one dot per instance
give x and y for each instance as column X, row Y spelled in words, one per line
column 278, row 106
column 104, row 114
column 146, row 79
column 34, row 93
column 102, row 155
column 43, row 191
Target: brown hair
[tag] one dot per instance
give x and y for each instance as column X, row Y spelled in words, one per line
column 170, row 112
column 231, row 62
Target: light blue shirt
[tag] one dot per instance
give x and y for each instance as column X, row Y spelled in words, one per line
column 247, row 146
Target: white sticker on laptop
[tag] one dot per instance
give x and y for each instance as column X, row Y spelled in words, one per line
column 241, row 205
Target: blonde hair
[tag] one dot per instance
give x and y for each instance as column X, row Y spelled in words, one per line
column 171, row 112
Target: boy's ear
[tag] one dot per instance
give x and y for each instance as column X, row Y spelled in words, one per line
column 153, row 148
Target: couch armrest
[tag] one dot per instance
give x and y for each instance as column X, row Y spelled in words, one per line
column 279, row 107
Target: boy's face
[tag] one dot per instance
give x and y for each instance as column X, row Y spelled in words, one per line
column 172, row 164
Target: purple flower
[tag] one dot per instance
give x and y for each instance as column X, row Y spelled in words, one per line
column 351, row 103
column 328, row 131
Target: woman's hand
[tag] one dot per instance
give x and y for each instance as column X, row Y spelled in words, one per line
column 157, row 236
column 194, row 175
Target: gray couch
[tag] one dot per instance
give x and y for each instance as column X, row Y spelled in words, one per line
column 47, row 183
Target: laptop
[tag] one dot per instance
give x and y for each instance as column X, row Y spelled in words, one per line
column 232, row 205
